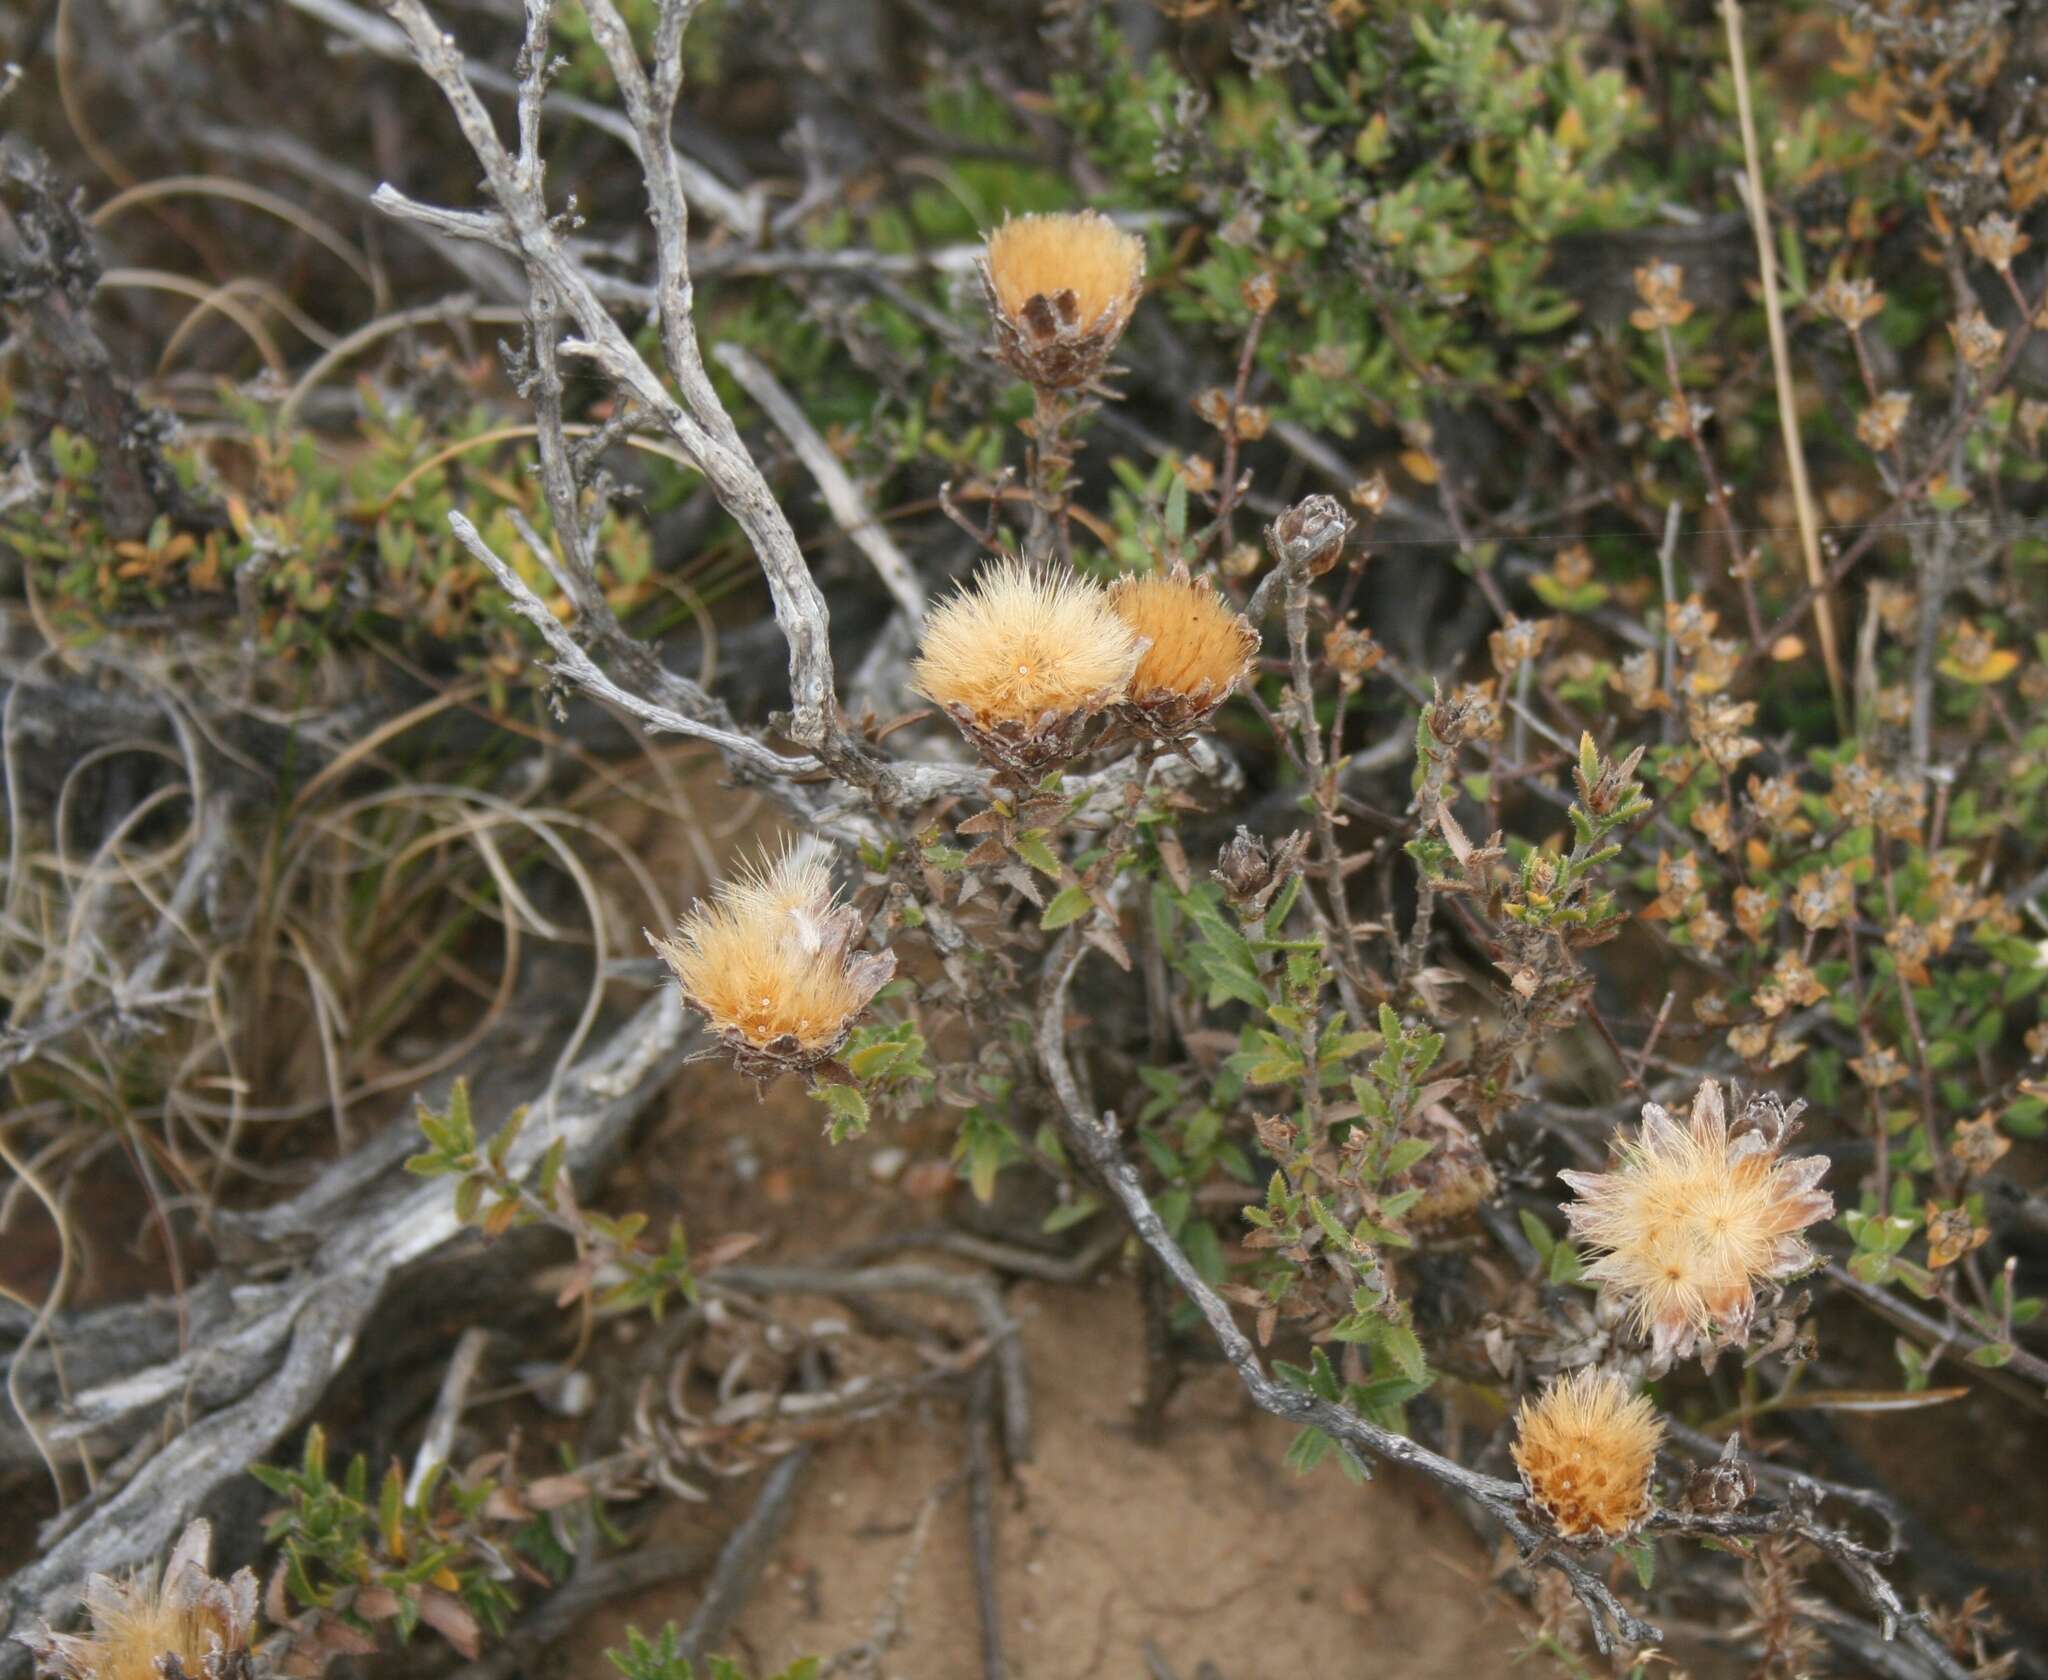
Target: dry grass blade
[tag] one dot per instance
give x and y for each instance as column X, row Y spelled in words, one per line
column 1781, row 366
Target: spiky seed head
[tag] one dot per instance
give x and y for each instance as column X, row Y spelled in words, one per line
column 1197, row 649
column 1694, row 1218
column 769, row 963
column 1585, row 1450
column 146, row 1627
column 1061, row 289
column 1022, row 660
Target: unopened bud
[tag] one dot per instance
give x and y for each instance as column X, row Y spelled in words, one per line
column 1244, row 865
column 1310, row 534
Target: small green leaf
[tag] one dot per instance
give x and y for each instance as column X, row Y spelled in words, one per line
column 1069, row 904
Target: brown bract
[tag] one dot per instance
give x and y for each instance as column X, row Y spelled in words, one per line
column 1695, row 1217
column 1061, row 289
column 1023, row 660
column 769, row 963
column 1585, row 1451
column 1197, row 649
column 186, row 1626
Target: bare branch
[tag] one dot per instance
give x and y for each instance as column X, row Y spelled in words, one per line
column 891, row 565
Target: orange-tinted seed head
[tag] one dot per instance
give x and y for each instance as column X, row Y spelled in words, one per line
column 1197, row 649
column 1585, row 1450
column 1061, row 289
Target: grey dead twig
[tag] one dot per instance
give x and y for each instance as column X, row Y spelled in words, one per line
column 274, row 1357
column 746, row 1554
column 981, row 1525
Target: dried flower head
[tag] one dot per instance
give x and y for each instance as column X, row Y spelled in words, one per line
column 1585, row 1450
column 186, row 1626
column 1693, row 1218
column 1023, row 660
column 1251, row 872
column 1352, row 651
column 1661, row 286
column 1997, row 240
column 1978, row 342
column 1197, row 648
column 1061, row 289
column 769, row 962
column 1852, row 302
column 1880, row 424
column 1518, row 641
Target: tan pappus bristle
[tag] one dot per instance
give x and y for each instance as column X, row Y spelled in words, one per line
column 1082, row 252
column 146, row 1625
column 758, row 961
column 1196, row 643
column 1691, row 1221
column 1585, row 1449
column 131, row 1641
column 1020, row 643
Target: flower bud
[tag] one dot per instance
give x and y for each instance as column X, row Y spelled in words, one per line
column 1310, row 534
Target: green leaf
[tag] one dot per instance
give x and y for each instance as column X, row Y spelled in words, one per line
column 1069, row 1214
column 1404, row 1348
column 846, row 1106
column 1642, row 1554
column 1069, row 904
column 1031, row 847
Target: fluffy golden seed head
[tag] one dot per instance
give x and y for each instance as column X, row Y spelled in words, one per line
column 767, row 962
column 1197, row 648
column 1062, row 289
column 1692, row 1220
column 144, row 1627
column 1585, row 1450
column 1022, row 658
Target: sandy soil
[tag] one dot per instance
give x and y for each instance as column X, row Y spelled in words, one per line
column 1208, row 1548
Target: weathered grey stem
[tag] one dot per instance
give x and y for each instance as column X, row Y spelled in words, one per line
column 745, row 1555
column 274, row 1357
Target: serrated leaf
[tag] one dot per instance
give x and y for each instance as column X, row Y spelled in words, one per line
column 1404, row 1348
column 1031, row 847
column 1069, row 904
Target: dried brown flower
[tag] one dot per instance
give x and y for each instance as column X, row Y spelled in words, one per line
column 1585, row 1450
column 1852, row 302
column 1637, row 678
column 1661, row 286
column 1978, row 1145
column 1776, row 800
column 1756, row 909
column 1310, row 534
column 1997, row 240
column 1823, row 897
column 1717, row 725
column 1680, row 417
column 1879, row 425
column 1352, row 652
column 1518, row 641
column 1061, row 289
column 1878, row 1067
column 1978, row 342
